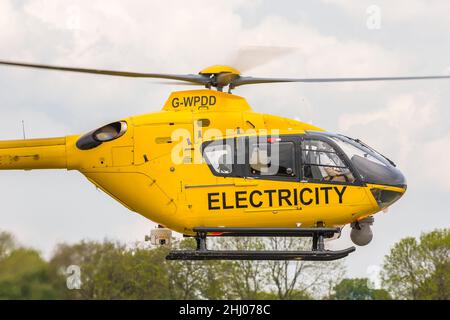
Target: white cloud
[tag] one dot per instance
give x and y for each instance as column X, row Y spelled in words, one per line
column 184, row 37
column 400, row 10
column 318, row 54
column 404, row 129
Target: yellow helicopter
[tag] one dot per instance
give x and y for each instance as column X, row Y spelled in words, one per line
column 208, row 165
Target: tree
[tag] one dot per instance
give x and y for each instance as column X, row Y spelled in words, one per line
column 245, row 279
column 298, row 279
column 24, row 275
column 214, row 284
column 110, row 270
column 150, row 276
column 419, row 269
column 435, row 254
column 185, row 277
column 358, row 289
column 7, row 244
column 88, row 256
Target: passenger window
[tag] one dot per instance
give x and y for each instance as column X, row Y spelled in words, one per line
column 272, row 159
column 220, row 156
column 320, row 162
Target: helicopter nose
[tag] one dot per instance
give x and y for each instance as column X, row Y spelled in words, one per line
column 388, row 195
column 376, row 172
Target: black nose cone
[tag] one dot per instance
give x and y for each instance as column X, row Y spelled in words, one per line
column 378, row 173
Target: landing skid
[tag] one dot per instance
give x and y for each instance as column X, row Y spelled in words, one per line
column 317, row 253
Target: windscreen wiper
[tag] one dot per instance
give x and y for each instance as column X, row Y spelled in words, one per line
column 372, row 149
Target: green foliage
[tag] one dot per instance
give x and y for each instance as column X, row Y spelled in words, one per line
column 245, row 279
column 358, row 289
column 7, row 244
column 419, row 269
column 24, row 275
column 110, row 270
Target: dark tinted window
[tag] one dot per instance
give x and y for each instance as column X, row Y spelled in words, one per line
column 320, row 162
column 372, row 166
column 272, row 159
column 219, row 155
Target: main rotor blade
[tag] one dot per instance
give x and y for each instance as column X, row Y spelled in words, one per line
column 199, row 79
column 250, row 80
column 176, row 83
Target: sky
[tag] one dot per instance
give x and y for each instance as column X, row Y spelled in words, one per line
column 407, row 121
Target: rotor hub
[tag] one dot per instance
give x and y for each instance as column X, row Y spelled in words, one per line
column 217, row 69
column 220, row 76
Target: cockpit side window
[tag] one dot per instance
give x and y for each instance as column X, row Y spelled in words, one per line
column 321, row 163
column 259, row 157
column 272, row 159
column 219, row 155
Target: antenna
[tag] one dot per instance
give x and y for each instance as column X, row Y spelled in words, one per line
column 23, row 130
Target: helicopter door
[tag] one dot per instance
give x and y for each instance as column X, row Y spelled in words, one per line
column 328, row 181
column 156, row 141
column 245, row 178
column 272, row 164
column 322, row 163
column 209, row 186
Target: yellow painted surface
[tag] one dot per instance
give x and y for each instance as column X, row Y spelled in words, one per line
column 138, row 169
column 220, row 69
column 33, row 154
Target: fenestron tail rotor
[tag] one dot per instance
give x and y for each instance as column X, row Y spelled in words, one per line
column 217, row 76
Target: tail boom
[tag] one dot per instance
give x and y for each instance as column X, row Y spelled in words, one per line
column 48, row 153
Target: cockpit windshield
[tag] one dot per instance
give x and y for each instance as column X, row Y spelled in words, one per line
column 365, row 146
column 372, row 166
column 352, row 148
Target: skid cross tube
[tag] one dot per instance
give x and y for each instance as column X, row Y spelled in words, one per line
column 201, row 241
column 317, row 253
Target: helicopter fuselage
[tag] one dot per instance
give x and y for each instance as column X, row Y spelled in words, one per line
column 155, row 165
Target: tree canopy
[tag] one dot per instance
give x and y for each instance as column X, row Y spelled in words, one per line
column 358, row 289
column 413, row 269
column 419, row 269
